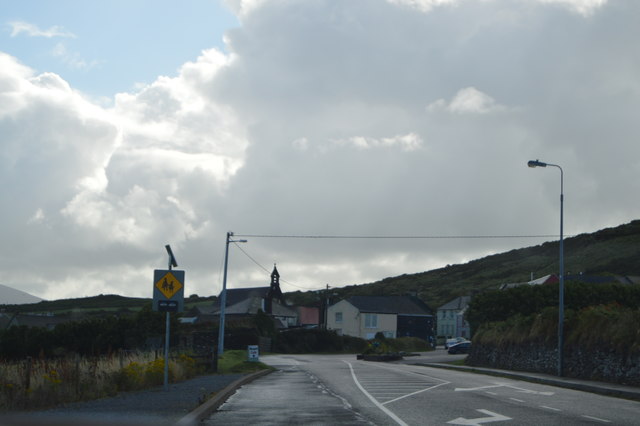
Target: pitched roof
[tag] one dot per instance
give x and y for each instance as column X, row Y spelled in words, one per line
column 237, row 295
column 456, row 304
column 406, row 305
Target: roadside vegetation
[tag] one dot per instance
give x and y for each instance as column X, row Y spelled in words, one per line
column 33, row 384
column 596, row 316
column 40, row 383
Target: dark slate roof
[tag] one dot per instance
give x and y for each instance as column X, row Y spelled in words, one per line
column 237, row 295
column 404, row 305
column 457, row 304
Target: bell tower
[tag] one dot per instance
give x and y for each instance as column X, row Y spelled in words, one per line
column 274, row 291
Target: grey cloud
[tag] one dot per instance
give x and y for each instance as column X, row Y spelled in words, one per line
column 332, row 118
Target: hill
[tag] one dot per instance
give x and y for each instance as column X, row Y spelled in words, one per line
column 611, row 251
column 109, row 302
column 12, row 296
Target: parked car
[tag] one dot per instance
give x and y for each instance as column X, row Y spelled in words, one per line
column 454, row 341
column 460, row 348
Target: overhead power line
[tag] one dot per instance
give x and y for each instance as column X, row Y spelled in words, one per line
column 266, row 270
column 394, row 237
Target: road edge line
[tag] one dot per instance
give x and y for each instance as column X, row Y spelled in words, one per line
column 212, row 404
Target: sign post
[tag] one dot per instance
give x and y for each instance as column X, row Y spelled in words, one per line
column 168, row 296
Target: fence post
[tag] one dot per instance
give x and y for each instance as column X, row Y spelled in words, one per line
column 27, row 374
column 77, row 375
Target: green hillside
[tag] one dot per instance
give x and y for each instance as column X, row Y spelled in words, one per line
column 103, row 303
column 611, row 251
column 614, row 251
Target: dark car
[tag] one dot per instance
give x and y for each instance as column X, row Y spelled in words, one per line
column 460, row 348
column 453, row 341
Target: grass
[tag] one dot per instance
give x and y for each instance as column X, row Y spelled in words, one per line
column 235, row 362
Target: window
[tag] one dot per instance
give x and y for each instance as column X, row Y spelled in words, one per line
column 370, row 320
column 338, row 316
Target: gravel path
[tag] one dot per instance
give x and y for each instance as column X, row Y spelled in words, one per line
column 147, row 407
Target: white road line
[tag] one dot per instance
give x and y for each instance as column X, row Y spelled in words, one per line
column 498, row 385
column 597, row 419
column 372, row 399
column 550, row 408
column 516, row 399
column 413, row 393
column 491, row 393
column 401, row 367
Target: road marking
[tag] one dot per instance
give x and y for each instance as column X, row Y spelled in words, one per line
column 476, row 389
column 377, row 404
column 516, row 399
column 597, row 419
column 500, row 385
column 491, row 393
column 550, row 408
column 387, row 389
column 411, row 394
column 493, row 417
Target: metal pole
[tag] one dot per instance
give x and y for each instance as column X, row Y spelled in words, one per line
column 166, row 339
column 538, row 163
column 223, row 298
column 166, row 355
column 561, row 289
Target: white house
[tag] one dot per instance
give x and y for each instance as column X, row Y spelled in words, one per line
column 451, row 322
column 393, row 316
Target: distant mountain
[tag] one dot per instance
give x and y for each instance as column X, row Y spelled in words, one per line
column 610, row 251
column 11, row 296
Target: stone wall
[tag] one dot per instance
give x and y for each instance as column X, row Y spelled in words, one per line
column 603, row 364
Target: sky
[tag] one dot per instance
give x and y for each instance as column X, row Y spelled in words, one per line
column 129, row 125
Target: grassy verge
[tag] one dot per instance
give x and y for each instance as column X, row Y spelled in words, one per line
column 235, row 362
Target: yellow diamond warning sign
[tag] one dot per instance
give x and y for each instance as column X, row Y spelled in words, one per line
column 168, row 285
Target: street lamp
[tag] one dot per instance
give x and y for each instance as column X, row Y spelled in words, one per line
column 538, row 163
column 223, row 294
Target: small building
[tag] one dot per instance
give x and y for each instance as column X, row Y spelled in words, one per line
column 451, row 321
column 308, row 316
column 270, row 300
column 393, row 316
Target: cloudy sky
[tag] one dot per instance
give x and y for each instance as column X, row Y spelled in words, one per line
column 128, row 125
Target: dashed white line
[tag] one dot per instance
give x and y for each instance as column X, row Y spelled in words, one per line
column 550, row 408
column 597, row 419
column 515, row 399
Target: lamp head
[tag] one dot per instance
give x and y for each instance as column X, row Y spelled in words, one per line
column 536, row 163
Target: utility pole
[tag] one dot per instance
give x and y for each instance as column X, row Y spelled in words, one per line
column 326, row 308
column 223, row 294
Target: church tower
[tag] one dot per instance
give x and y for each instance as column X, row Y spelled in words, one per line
column 274, row 291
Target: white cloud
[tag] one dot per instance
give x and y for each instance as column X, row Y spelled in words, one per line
column 72, row 59
column 31, row 30
column 408, row 142
column 424, row 5
column 583, row 7
column 314, row 124
column 467, row 101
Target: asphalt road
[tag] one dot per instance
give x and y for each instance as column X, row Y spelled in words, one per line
column 338, row 389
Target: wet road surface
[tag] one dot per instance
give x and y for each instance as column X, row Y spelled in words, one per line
column 289, row 396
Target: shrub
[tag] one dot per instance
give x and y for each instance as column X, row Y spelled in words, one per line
column 314, row 340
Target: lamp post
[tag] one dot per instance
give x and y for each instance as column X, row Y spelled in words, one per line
column 223, row 294
column 538, row 163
